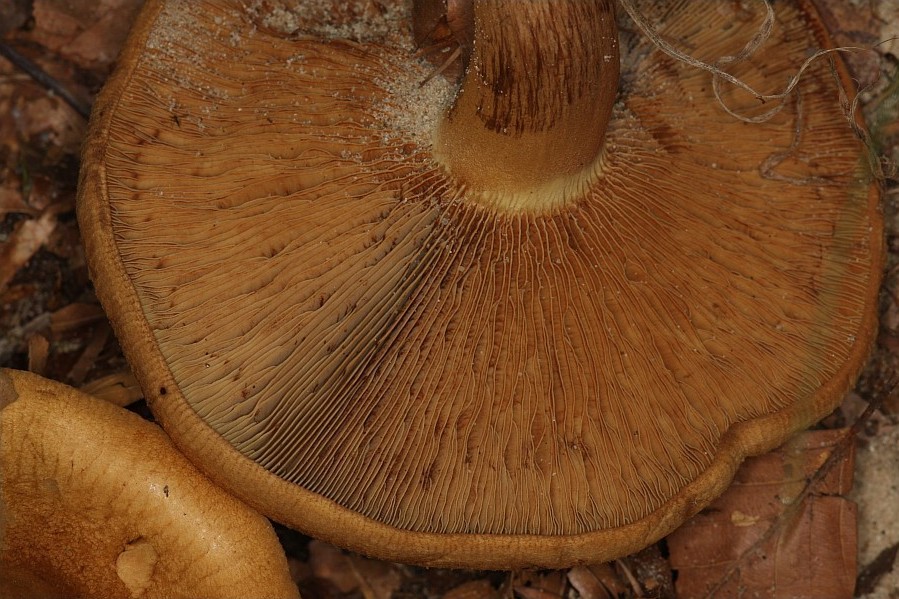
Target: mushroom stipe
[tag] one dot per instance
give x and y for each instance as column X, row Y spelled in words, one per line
column 540, row 325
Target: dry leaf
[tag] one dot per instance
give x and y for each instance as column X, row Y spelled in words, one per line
column 87, row 32
column 473, row 589
column 84, row 363
column 119, row 388
column 330, row 563
column 74, row 316
column 13, row 14
column 599, row 581
column 753, row 541
column 539, row 585
column 11, row 200
column 99, row 44
column 349, row 572
column 534, row 593
column 653, row 572
column 856, row 24
column 38, row 351
column 52, row 120
column 26, row 239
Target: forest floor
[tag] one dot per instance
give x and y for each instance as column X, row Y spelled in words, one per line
column 52, row 324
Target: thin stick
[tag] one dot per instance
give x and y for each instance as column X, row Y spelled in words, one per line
column 44, row 78
column 446, row 63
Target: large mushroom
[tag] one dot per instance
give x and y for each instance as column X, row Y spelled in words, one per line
column 95, row 502
column 534, row 319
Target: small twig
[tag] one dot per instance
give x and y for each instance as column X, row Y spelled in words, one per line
column 632, row 580
column 446, row 64
column 45, row 79
column 872, row 573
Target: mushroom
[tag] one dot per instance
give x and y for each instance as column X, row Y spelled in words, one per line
column 95, row 502
column 534, row 319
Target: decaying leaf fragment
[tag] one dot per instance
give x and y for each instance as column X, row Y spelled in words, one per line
column 757, row 541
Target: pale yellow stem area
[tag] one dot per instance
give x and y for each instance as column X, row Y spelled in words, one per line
column 529, row 121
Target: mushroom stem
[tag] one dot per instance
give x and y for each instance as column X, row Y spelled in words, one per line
column 528, row 123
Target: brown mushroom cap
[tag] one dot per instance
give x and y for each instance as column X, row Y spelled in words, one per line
column 96, row 502
column 343, row 333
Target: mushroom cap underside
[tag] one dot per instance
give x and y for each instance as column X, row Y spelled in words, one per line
column 96, row 502
column 336, row 331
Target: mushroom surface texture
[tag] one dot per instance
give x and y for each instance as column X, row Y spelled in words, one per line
column 96, row 502
column 533, row 318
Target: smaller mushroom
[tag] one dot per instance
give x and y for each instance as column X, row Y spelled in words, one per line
column 96, row 502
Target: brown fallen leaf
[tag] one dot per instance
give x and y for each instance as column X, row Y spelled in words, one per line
column 653, row 572
column 540, row 585
column 349, row 572
column 119, row 388
column 771, row 536
column 25, row 240
column 87, row 359
column 30, row 194
column 74, row 316
column 87, row 32
column 12, row 201
column 855, row 24
column 38, row 351
column 13, row 14
column 473, row 589
column 598, row 581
